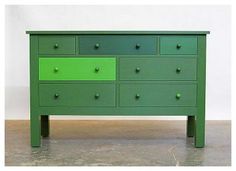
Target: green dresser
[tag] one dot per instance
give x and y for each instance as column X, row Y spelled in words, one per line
column 125, row 73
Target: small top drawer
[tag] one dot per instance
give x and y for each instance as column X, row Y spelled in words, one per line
column 63, row 45
column 175, row 45
column 117, row 44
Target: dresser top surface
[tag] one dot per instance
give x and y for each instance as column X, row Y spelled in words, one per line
column 120, row 32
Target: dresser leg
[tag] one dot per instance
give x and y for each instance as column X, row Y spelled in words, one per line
column 199, row 131
column 190, row 126
column 200, row 114
column 35, row 130
column 45, row 125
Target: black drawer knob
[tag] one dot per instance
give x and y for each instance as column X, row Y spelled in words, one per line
column 178, row 46
column 56, row 69
column 137, row 70
column 178, row 95
column 137, row 96
column 56, row 96
column 137, row 46
column 97, row 45
column 178, row 70
column 97, row 69
column 56, row 46
column 97, row 95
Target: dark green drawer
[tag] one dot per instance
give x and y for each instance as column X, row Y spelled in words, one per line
column 77, row 68
column 118, row 44
column 158, row 94
column 175, row 45
column 157, row 68
column 77, row 94
column 63, row 45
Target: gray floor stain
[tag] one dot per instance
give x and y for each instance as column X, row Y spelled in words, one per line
column 170, row 150
column 118, row 143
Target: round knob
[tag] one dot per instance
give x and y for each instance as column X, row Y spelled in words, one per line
column 137, row 70
column 97, row 45
column 178, row 70
column 56, row 46
column 178, row 95
column 97, row 69
column 56, row 96
column 56, row 69
column 138, row 46
column 178, row 46
column 97, row 95
column 137, row 96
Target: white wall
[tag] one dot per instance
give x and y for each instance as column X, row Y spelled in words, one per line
column 213, row 18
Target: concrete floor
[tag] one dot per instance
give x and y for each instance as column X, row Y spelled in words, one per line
column 118, row 143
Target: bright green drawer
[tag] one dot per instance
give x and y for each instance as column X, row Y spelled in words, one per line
column 77, row 68
column 158, row 68
column 58, row 44
column 77, row 94
column 118, row 45
column 175, row 45
column 154, row 94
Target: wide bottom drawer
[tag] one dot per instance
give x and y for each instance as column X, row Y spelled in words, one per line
column 77, row 94
column 158, row 94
